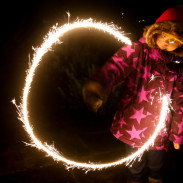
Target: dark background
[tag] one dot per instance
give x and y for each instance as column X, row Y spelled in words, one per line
column 55, row 105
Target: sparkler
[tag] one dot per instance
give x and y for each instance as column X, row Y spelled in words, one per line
column 53, row 38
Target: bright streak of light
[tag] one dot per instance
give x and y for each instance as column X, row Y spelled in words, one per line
column 53, row 38
column 69, row 15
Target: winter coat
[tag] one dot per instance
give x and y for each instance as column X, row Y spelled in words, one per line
column 146, row 74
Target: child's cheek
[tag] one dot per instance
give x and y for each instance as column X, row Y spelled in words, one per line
column 171, row 47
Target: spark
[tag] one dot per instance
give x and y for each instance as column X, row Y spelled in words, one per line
column 122, row 15
column 69, row 15
column 152, row 78
column 13, row 101
column 177, row 61
column 152, row 100
column 53, row 38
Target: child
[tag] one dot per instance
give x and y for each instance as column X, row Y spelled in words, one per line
column 148, row 69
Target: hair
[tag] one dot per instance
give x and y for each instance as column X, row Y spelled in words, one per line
column 174, row 28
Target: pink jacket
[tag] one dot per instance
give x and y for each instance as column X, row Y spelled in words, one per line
column 146, row 74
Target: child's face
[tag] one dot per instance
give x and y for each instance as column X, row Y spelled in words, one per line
column 167, row 44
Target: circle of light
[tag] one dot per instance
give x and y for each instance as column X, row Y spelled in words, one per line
column 50, row 39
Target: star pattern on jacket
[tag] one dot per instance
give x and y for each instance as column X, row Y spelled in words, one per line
column 126, row 100
column 180, row 127
column 134, row 133
column 119, row 60
column 147, row 72
column 138, row 114
column 154, row 54
column 144, row 129
column 129, row 50
column 135, row 60
column 131, row 83
column 146, row 76
column 118, row 134
column 154, row 123
column 160, row 147
column 143, row 95
column 163, row 134
column 122, row 122
column 151, row 97
column 180, row 110
column 177, row 139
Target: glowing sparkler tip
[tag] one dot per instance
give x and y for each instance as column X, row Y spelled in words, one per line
column 13, row 101
column 68, row 13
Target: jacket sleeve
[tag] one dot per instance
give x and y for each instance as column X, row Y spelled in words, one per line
column 176, row 132
column 119, row 66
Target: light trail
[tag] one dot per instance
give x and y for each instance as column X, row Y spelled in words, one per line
column 53, row 38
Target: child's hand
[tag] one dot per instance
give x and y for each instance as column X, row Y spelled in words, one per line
column 176, row 146
column 93, row 95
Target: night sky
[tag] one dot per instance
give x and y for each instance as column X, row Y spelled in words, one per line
column 23, row 25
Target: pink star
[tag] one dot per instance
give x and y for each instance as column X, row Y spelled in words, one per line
column 163, row 134
column 129, row 50
column 154, row 54
column 134, row 133
column 142, row 95
column 138, row 115
column 154, row 123
column 178, row 139
column 126, row 100
column 148, row 114
column 157, row 73
column 147, row 72
column 119, row 61
column 160, row 147
column 172, row 78
column 130, row 83
column 175, row 89
column 151, row 91
column 143, row 131
column 142, row 40
column 133, row 144
column 146, row 51
column 122, row 122
column 180, row 127
column 181, row 110
column 118, row 134
column 135, row 62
